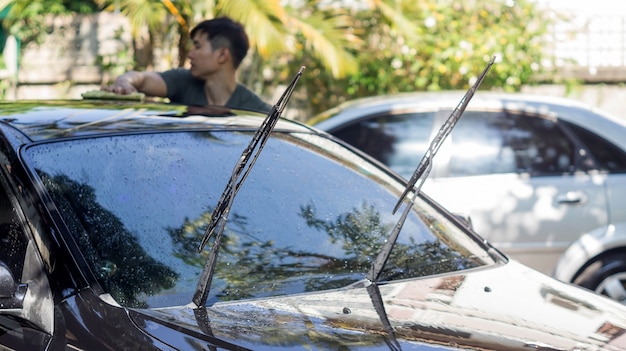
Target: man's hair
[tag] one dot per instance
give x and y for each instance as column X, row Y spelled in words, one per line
column 225, row 32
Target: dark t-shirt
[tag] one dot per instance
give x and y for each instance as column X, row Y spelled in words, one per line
column 183, row 88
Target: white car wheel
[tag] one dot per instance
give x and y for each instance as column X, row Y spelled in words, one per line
column 614, row 287
column 606, row 275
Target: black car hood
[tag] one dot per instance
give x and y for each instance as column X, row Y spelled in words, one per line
column 507, row 307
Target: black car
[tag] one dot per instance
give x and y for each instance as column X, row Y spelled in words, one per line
column 104, row 207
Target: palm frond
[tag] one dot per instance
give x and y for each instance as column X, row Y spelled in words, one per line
column 264, row 21
column 139, row 12
column 329, row 39
column 395, row 17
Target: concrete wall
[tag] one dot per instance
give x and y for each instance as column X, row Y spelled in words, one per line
column 68, row 62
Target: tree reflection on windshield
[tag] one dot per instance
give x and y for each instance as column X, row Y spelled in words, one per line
column 122, row 266
column 249, row 266
column 363, row 236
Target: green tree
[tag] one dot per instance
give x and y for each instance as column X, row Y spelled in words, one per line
column 150, row 21
column 447, row 45
column 276, row 32
column 114, row 254
column 26, row 18
column 360, row 49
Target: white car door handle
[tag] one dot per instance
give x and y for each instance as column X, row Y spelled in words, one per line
column 572, row 198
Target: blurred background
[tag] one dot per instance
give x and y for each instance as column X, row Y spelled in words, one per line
column 352, row 48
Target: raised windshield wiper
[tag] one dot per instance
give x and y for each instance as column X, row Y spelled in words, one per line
column 426, row 164
column 423, row 169
column 239, row 175
column 421, row 172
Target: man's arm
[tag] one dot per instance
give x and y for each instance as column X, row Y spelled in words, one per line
column 149, row 83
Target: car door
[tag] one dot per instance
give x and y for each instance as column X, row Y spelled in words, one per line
column 526, row 185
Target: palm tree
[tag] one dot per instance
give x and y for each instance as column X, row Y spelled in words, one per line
column 149, row 21
column 273, row 29
column 326, row 33
column 321, row 37
column 25, row 18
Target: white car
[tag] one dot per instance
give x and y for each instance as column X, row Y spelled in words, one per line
column 541, row 178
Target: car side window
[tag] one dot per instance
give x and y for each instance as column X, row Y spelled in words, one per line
column 609, row 157
column 397, row 140
column 12, row 238
column 495, row 142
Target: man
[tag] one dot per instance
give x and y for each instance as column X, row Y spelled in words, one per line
column 219, row 46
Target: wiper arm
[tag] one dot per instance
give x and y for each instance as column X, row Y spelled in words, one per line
column 420, row 173
column 424, row 167
column 237, row 178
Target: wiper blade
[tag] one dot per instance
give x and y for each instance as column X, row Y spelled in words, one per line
column 237, row 178
column 422, row 169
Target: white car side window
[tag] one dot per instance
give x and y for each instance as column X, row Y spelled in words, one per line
column 504, row 142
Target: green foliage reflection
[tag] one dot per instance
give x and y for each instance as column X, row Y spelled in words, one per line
column 256, row 266
column 115, row 256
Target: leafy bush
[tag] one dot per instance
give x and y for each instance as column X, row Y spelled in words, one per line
column 449, row 45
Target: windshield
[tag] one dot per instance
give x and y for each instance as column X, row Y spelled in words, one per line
column 311, row 216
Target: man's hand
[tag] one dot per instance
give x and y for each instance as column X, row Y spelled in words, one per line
column 149, row 83
column 123, row 85
column 123, row 89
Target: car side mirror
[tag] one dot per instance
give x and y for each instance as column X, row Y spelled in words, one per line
column 11, row 294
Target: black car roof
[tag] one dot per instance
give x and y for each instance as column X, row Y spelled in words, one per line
column 53, row 119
